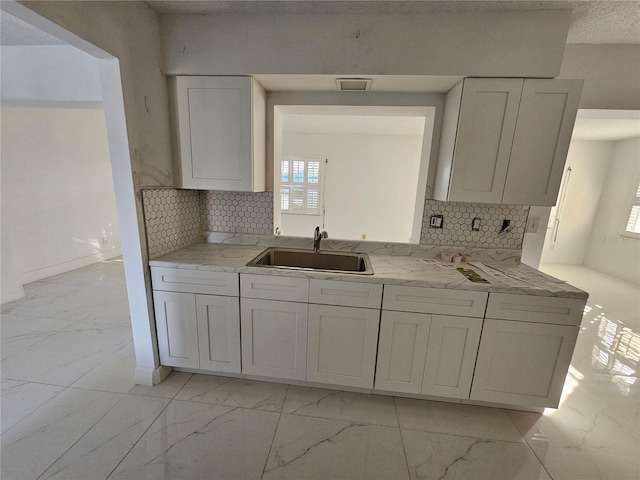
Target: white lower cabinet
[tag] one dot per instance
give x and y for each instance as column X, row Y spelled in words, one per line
column 402, row 350
column 274, row 338
column 342, row 344
column 218, row 333
column 427, row 354
column 451, row 356
column 198, row 331
column 177, row 329
column 523, row 363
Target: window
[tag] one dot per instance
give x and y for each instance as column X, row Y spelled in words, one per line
column 633, row 221
column 300, row 190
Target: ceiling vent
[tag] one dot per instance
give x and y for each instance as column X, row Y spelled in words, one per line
column 353, row 84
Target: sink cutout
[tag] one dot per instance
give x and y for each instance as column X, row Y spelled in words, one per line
column 327, row 261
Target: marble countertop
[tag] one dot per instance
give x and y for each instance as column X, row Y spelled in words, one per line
column 388, row 269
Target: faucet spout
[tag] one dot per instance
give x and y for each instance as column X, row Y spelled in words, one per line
column 317, row 238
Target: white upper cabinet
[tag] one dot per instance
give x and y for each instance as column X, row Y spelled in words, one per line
column 506, row 140
column 545, row 123
column 220, row 133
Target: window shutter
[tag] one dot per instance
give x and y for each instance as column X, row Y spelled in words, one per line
column 633, row 223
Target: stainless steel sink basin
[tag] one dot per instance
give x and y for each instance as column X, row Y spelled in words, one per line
column 292, row 258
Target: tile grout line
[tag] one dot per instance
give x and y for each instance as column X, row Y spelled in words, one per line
column 526, row 442
column 81, row 436
column 100, row 365
column 34, row 411
column 170, row 400
column 404, row 450
column 140, row 437
column 275, row 430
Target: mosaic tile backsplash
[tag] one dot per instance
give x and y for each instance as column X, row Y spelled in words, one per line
column 177, row 218
column 237, row 212
column 172, row 219
column 456, row 226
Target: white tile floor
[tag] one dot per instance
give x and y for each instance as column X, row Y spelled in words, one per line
column 70, row 408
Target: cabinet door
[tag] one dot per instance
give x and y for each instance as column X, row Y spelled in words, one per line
column 215, row 133
column 541, row 142
column 274, row 338
column 451, row 356
column 402, row 349
column 177, row 329
column 522, row 363
column 219, row 333
column 342, row 345
column 487, row 120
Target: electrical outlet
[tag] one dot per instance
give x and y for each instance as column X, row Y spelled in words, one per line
column 532, row 224
column 436, row 221
column 475, row 225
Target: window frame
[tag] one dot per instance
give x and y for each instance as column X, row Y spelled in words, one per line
column 634, row 201
column 305, row 185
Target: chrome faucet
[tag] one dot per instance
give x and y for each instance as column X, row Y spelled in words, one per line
column 317, row 238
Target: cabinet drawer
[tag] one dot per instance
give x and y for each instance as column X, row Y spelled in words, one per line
column 531, row 308
column 272, row 287
column 434, row 300
column 195, row 281
column 348, row 294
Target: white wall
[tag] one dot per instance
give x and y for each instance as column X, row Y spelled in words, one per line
column 58, row 200
column 11, row 289
column 589, row 162
column 608, row 251
column 370, row 182
column 481, row 43
column 41, row 73
column 125, row 35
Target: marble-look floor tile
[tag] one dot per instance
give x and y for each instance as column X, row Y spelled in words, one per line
column 455, row 419
column 444, row 457
column 571, row 464
column 608, row 295
column 196, row 440
column 115, row 374
column 104, row 446
column 339, row 405
column 167, row 389
column 19, row 332
column 67, row 355
column 319, row 448
column 580, row 424
column 33, row 444
column 234, row 392
column 75, row 303
column 105, row 274
column 20, row 399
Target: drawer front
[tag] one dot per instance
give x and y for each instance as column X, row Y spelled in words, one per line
column 531, row 308
column 434, row 300
column 347, row 294
column 195, row 281
column 273, row 287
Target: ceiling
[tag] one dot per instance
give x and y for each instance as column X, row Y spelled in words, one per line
column 591, row 22
column 608, row 125
column 604, row 21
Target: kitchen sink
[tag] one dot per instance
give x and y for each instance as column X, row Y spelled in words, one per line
column 298, row 259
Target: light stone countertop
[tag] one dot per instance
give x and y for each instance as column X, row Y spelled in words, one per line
column 388, row 269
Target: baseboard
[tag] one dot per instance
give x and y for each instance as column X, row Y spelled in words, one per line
column 63, row 267
column 151, row 376
column 11, row 295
